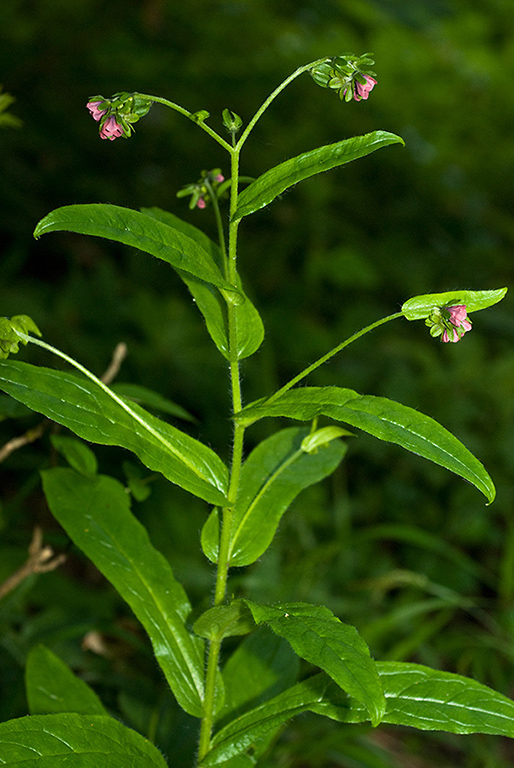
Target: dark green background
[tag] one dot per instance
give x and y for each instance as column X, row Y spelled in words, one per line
column 335, row 253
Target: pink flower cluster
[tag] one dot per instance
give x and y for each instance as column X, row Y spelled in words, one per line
column 111, row 129
column 363, row 91
column 460, row 322
column 217, row 179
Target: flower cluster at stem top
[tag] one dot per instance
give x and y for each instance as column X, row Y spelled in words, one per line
column 450, row 323
column 348, row 74
column 117, row 114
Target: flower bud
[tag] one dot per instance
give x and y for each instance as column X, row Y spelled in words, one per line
column 347, row 74
column 231, row 121
column 207, row 184
column 450, row 323
column 117, row 114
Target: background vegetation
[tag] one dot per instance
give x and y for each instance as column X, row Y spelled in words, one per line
column 403, row 550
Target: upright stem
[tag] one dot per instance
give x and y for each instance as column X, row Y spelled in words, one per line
column 237, row 403
column 235, row 472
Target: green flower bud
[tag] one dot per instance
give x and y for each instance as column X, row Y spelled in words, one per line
column 231, row 121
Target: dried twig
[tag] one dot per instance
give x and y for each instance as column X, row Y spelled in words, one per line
column 118, row 356
column 18, row 442
column 40, row 560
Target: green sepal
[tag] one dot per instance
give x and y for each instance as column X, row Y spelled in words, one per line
column 231, row 121
column 199, row 117
column 9, row 333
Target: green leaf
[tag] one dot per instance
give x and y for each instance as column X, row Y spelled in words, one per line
column 52, row 687
column 244, row 730
column 138, row 231
column 430, row 700
column 224, row 621
column 261, row 667
column 420, row 307
column 77, row 454
column 415, row 696
column 95, row 513
column 151, row 399
column 92, row 414
column 75, row 741
column 318, row 636
column 382, row 418
column 276, row 471
column 249, row 327
column 275, row 181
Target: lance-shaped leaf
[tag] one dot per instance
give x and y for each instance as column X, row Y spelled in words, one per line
column 320, row 638
column 272, row 476
column 139, row 231
column 90, row 412
column 420, row 307
column 52, row 687
column 383, row 418
column 75, row 741
column 267, row 187
column 248, row 727
column 415, row 696
column 431, row 700
column 249, row 327
column 95, row 513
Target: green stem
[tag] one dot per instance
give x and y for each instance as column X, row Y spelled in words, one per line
column 190, row 115
column 209, row 701
column 219, row 225
column 330, row 354
column 272, row 97
column 235, row 471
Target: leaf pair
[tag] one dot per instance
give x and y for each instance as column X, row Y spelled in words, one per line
column 274, row 473
column 195, row 257
column 415, row 696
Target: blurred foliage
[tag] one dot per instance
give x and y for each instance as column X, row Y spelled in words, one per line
column 403, row 550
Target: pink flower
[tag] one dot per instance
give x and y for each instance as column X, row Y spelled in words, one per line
column 96, row 113
column 111, row 129
column 201, row 203
column 458, row 318
column 219, row 178
column 454, row 336
column 363, row 91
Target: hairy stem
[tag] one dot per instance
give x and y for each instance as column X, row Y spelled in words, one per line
column 190, row 115
column 235, row 471
column 264, row 106
column 316, row 364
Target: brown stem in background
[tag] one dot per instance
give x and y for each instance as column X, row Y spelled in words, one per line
column 40, row 560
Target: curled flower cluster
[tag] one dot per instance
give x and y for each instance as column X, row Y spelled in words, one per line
column 202, row 191
column 347, row 74
column 117, row 115
column 450, row 323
